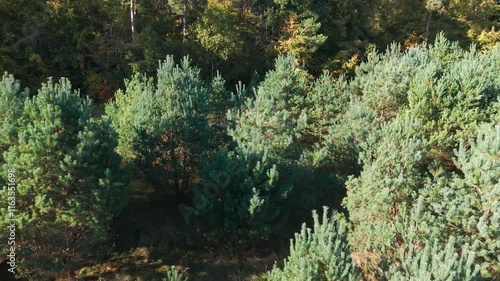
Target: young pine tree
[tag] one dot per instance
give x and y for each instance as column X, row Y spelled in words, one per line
column 276, row 117
column 466, row 203
column 163, row 126
column 275, row 137
column 69, row 182
column 321, row 253
column 392, row 172
column 11, row 105
column 434, row 262
column 242, row 196
column 449, row 90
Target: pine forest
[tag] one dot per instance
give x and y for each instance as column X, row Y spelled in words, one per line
column 249, row 140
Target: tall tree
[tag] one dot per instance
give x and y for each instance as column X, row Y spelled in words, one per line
column 301, row 36
column 219, row 32
column 133, row 12
column 431, row 6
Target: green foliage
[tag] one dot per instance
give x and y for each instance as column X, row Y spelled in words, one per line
column 471, row 19
column 163, row 126
column 434, row 263
column 175, row 275
column 324, row 144
column 392, row 172
column 450, row 91
column 383, row 80
column 63, row 39
column 69, row 181
column 276, row 117
column 321, row 253
column 242, row 195
column 275, row 137
column 218, row 30
column 289, row 143
column 128, row 112
column 301, row 36
column 290, row 113
column 466, row 204
column 325, row 103
column 344, row 140
column 457, row 97
column 11, row 103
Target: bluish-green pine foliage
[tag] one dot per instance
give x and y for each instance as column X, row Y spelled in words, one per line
column 320, row 253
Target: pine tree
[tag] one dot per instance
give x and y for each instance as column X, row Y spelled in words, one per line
column 449, row 90
column 242, row 196
column 301, row 36
column 129, row 112
column 274, row 137
column 175, row 275
column 276, row 117
column 466, row 203
column 439, row 87
column 326, row 144
column 463, row 96
column 164, row 126
column 69, row 181
column 384, row 80
column 434, row 262
column 11, row 104
column 392, row 172
column 320, row 253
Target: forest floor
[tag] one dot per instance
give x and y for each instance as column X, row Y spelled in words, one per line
column 145, row 249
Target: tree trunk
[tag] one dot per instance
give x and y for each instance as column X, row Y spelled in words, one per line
column 184, row 21
column 428, row 26
column 132, row 16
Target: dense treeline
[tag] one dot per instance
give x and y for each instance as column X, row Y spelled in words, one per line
column 91, row 42
column 403, row 143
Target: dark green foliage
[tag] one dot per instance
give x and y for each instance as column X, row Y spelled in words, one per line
column 218, row 31
column 69, row 181
column 394, row 131
column 243, row 195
